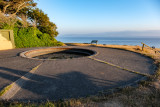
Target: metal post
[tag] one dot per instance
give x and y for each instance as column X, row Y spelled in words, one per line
column 142, row 47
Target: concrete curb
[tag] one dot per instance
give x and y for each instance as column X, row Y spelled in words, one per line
column 36, row 52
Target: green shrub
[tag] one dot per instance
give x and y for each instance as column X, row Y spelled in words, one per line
column 32, row 37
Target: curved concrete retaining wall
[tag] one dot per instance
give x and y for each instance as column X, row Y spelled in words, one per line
column 37, row 52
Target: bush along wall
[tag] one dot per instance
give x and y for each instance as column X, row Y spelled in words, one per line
column 32, row 37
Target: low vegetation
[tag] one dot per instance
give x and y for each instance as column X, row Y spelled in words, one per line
column 5, row 89
column 32, row 37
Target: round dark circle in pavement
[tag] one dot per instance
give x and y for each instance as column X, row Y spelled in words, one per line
column 58, row 53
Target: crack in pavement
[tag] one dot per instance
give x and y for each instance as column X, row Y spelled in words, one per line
column 101, row 61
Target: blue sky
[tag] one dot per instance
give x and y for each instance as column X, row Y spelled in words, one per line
column 95, row 16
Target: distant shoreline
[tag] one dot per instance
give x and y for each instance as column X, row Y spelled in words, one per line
column 112, row 41
column 126, row 47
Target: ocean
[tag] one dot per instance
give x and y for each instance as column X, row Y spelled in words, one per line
column 112, row 40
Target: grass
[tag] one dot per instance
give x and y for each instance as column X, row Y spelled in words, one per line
column 145, row 95
column 5, row 89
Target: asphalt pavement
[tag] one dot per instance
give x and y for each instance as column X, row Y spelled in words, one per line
column 71, row 78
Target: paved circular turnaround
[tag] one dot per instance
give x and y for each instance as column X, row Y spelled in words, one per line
column 70, row 78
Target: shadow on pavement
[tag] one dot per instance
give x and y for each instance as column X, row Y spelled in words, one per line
column 54, row 87
column 9, row 76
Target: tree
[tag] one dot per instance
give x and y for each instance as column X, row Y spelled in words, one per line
column 38, row 17
column 42, row 22
column 25, row 15
column 12, row 7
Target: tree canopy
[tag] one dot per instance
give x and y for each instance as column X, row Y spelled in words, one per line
column 12, row 7
column 27, row 15
column 39, row 19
